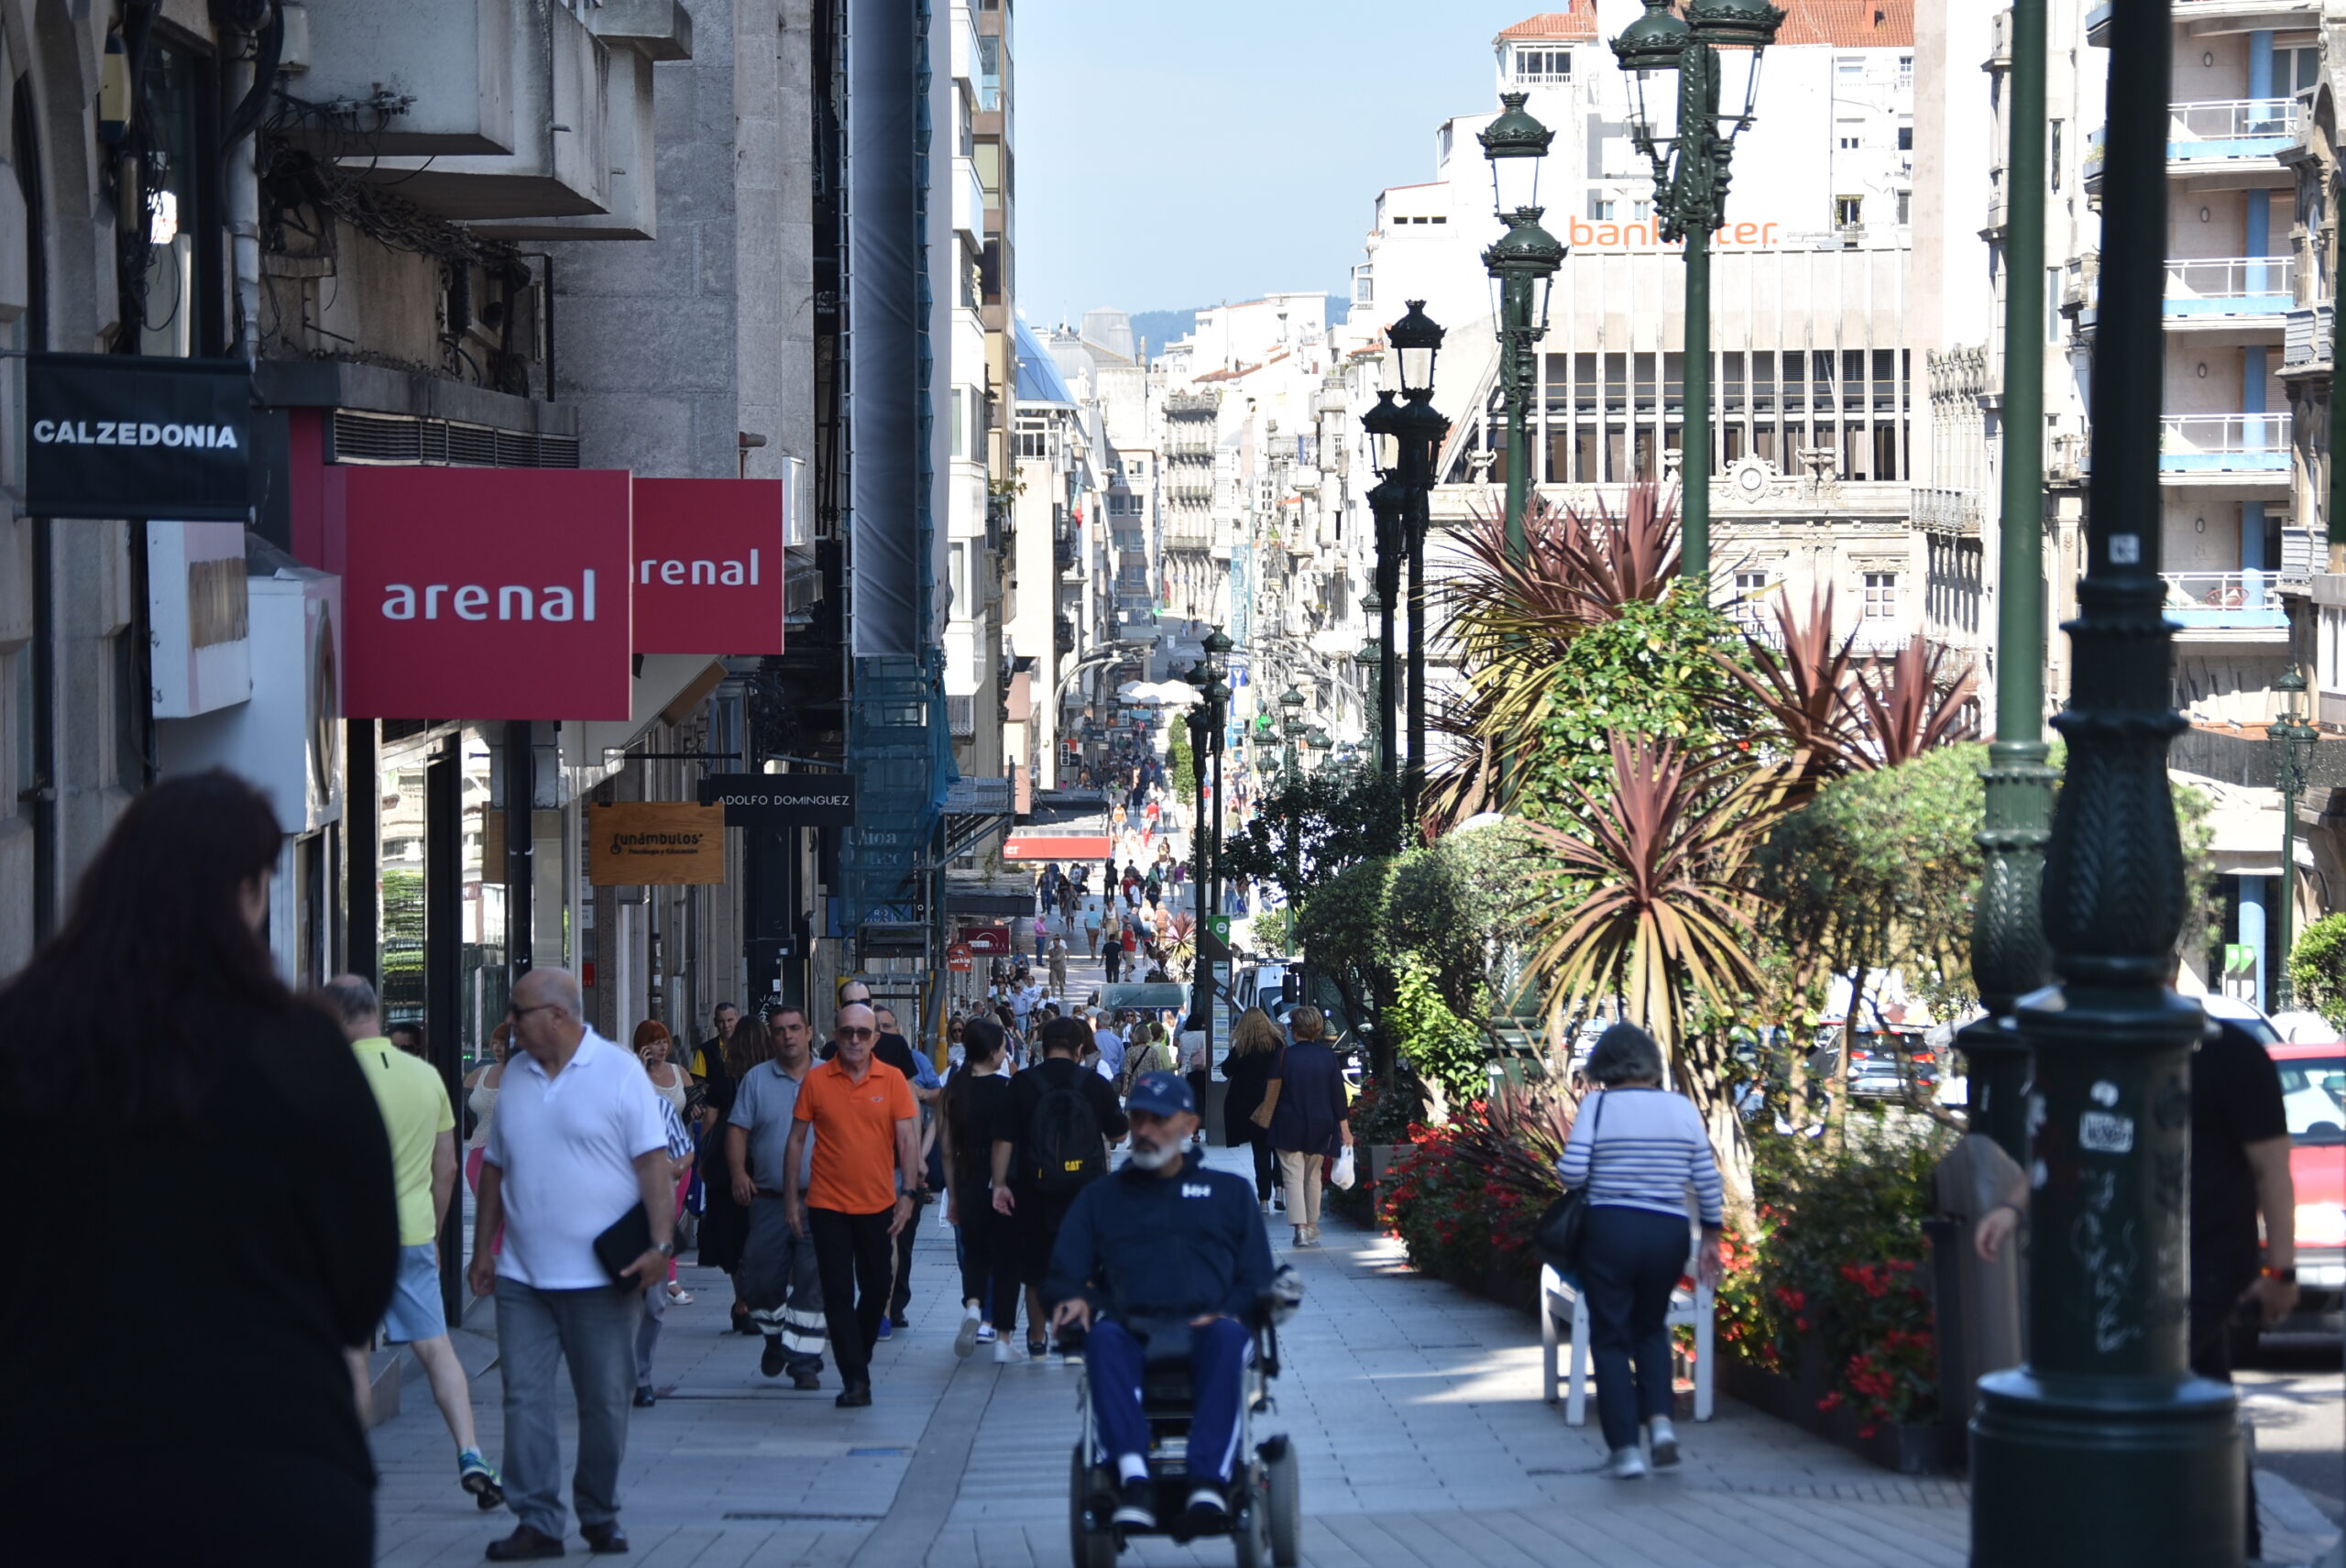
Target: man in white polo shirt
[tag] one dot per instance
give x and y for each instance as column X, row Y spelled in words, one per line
column 577, row 1142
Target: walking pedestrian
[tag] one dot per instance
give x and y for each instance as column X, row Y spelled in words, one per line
column 1058, row 965
column 1113, row 959
column 241, row 1191
column 1050, row 1142
column 656, row 1298
column 1635, row 1151
column 974, row 1101
column 725, row 1223
column 672, row 1084
column 1091, row 923
column 897, row 1051
column 580, row 1144
column 863, row 1121
column 1196, row 1067
column 1305, row 1113
column 480, row 1099
column 709, row 1056
column 779, row 1277
column 423, row 1130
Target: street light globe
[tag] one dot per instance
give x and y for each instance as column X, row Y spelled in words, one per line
column 1318, row 738
column 1217, row 643
column 1382, row 424
column 1516, row 145
column 1740, row 30
column 1648, row 49
column 1417, row 340
column 2291, row 684
column 1422, row 427
column 1291, row 699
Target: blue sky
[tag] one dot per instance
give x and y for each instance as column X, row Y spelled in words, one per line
column 1171, row 156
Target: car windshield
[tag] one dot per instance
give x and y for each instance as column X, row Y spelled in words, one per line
column 2313, row 1093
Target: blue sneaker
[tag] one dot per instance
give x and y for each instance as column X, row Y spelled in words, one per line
column 886, row 1328
column 478, row 1477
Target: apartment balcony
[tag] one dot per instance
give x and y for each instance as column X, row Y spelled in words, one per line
column 2230, row 602
column 2206, row 19
column 2198, row 448
column 1955, row 513
column 2230, row 291
column 2230, row 143
column 1880, row 637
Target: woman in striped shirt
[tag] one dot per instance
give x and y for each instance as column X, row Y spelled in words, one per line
column 1638, row 1149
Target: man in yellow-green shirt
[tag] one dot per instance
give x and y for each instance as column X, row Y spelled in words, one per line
column 423, row 1168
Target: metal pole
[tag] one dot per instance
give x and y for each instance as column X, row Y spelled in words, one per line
column 2335, row 532
column 2105, row 1408
column 1389, row 683
column 1695, row 444
column 2286, row 894
column 1516, row 380
column 1201, row 981
column 1413, row 782
column 2008, row 954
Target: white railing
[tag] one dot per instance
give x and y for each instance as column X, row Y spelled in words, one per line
column 2217, row 590
column 2230, row 278
column 1881, row 636
column 1947, row 511
column 2229, row 120
column 2224, row 442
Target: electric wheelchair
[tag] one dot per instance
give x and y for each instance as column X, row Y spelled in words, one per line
column 1266, row 1500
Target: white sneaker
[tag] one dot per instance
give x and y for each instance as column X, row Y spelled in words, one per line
column 1623, row 1465
column 965, row 1340
column 1004, row 1353
column 1664, row 1441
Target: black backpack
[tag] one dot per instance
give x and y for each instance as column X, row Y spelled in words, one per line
column 1064, row 1140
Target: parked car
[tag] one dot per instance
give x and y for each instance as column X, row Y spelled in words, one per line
column 1883, row 1062
column 2313, row 1096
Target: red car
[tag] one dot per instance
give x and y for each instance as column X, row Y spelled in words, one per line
column 2313, row 1095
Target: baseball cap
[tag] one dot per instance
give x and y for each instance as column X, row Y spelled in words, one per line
column 1161, row 1094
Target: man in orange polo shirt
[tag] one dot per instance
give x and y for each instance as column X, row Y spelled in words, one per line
column 866, row 1128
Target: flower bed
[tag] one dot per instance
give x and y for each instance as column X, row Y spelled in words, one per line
column 1465, row 1199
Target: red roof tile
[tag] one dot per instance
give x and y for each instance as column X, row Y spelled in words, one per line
column 1849, row 23
column 1577, row 22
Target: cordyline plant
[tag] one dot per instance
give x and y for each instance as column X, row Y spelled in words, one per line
column 1652, row 908
column 1513, row 617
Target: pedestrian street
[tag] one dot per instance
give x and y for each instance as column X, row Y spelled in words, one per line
column 1415, row 1408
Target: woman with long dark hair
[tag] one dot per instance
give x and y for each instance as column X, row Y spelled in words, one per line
column 243, row 1201
column 1254, row 1045
column 724, row 1223
column 973, row 1098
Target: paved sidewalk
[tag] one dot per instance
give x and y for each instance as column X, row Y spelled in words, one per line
column 1416, row 1409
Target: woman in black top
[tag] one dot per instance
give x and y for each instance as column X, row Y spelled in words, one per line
column 1254, row 1045
column 725, row 1224
column 245, row 1199
column 974, row 1097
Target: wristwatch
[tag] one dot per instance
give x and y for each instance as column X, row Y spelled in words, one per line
column 665, row 1249
column 2286, row 1276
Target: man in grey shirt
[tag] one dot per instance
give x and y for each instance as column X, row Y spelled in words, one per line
column 777, row 1276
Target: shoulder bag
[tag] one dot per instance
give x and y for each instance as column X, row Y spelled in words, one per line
column 1557, row 1237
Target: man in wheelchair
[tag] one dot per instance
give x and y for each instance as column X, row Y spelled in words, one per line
column 1163, row 1256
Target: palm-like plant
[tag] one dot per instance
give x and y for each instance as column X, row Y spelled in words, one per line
column 1904, row 708
column 1651, row 906
column 1514, row 615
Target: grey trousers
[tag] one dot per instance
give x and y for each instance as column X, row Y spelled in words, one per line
column 594, row 1331
column 782, row 1286
column 647, row 1332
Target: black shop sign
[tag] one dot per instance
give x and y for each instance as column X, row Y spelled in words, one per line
column 115, row 436
column 782, row 800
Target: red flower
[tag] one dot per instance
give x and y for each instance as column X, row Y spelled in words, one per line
column 1831, row 1402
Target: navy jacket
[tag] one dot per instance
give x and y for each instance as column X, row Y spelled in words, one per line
column 1141, row 1244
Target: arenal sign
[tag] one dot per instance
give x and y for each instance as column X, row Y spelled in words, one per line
column 477, row 592
column 708, row 566
column 114, row 435
column 782, row 800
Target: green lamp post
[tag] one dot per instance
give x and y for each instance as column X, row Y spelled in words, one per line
column 2008, row 954
column 2103, row 1447
column 1422, row 430
column 2292, row 739
column 1682, row 72
column 1521, row 262
column 1389, row 506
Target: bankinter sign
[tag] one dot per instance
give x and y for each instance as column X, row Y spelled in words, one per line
column 483, row 592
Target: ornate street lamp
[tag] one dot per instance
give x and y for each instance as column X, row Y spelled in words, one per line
column 1389, row 504
column 1421, row 430
column 1372, row 655
column 1521, row 263
column 2106, row 1406
column 1680, row 73
column 2293, row 740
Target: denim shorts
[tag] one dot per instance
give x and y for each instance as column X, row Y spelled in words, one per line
column 416, row 1312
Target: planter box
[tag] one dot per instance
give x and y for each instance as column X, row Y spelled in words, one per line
column 1910, row 1448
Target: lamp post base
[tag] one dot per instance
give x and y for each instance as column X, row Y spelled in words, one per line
column 2062, row 1476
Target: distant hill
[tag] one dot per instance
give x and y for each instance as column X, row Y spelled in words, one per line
column 1161, row 327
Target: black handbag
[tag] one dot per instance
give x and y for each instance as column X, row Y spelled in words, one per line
column 628, row 1238
column 1557, row 1237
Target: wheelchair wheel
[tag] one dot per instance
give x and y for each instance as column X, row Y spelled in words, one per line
column 1252, row 1533
column 1283, row 1501
column 1088, row 1548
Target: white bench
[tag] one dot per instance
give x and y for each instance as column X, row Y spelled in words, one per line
column 1560, row 1302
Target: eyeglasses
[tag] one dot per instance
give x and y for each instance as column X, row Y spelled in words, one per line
column 517, row 1014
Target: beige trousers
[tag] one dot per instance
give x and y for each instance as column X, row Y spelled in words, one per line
column 1299, row 1174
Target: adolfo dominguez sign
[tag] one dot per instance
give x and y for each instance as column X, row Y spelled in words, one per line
column 782, row 800
column 110, row 436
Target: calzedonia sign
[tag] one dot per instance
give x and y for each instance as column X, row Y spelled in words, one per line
column 472, row 592
column 114, row 436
